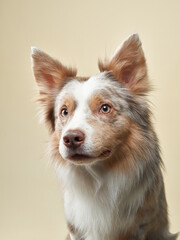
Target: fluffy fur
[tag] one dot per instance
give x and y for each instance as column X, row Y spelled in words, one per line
column 104, row 146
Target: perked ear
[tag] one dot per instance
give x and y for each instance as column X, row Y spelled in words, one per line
column 128, row 66
column 50, row 76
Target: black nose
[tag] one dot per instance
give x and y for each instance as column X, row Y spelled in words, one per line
column 73, row 139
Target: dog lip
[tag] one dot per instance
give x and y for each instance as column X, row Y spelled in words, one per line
column 105, row 153
column 80, row 157
column 77, row 157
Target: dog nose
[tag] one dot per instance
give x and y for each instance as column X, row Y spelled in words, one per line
column 74, row 139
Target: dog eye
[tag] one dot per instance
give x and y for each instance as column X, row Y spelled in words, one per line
column 105, row 108
column 64, row 112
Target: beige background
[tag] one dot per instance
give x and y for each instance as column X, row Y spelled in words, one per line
column 77, row 32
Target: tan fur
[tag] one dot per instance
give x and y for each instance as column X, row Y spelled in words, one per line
column 71, row 228
column 128, row 66
column 54, row 148
column 70, row 105
column 126, row 133
column 130, row 139
column 96, row 103
column 82, row 79
column 50, row 76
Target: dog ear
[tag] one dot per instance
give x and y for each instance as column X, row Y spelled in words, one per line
column 128, row 66
column 50, row 76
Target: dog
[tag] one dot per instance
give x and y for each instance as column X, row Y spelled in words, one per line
column 104, row 147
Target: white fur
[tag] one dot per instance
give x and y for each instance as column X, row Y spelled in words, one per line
column 81, row 92
column 99, row 203
column 72, row 237
column 97, row 207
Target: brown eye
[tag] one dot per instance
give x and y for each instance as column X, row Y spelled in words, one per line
column 105, row 108
column 64, row 112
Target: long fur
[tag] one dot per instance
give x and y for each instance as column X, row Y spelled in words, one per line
column 115, row 189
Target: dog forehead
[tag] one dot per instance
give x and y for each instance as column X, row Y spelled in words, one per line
column 81, row 91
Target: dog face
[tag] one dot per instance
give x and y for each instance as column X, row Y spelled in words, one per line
column 89, row 114
column 96, row 118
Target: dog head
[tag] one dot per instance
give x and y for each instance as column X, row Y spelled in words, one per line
column 99, row 118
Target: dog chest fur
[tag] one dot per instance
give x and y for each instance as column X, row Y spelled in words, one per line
column 100, row 205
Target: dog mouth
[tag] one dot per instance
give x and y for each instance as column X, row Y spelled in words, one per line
column 88, row 158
